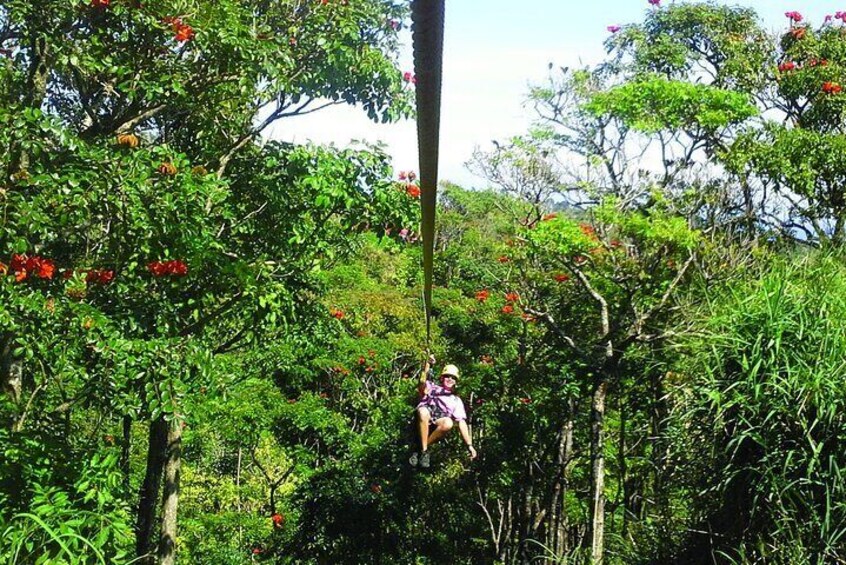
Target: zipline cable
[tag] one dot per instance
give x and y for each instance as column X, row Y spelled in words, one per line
column 427, row 18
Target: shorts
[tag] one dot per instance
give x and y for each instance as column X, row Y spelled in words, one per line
column 436, row 414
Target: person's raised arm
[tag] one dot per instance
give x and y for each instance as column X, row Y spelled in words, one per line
column 424, row 375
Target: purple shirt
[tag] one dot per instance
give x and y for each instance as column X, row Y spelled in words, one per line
column 437, row 397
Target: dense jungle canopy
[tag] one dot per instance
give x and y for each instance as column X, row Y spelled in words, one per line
column 210, row 342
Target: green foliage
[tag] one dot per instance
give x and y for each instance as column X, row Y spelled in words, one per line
column 769, row 401
column 652, row 104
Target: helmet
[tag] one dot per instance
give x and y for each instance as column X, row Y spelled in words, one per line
column 450, row 370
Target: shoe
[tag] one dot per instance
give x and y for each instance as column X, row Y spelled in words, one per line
column 413, row 459
column 424, row 460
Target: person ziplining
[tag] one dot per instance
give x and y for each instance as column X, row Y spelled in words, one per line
column 438, row 411
column 438, row 405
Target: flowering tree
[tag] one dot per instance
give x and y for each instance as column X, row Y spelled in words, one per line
column 143, row 234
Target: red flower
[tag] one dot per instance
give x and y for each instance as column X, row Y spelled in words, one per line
column 786, row 66
column 3, row 269
column 579, row 259
column 792, row 16
column 337, row 314
column 178, row 268
column 482, row 295
column 403, row 175
column 22, row 266
column 43, row 268
column 486, row 360
column 158, row 268
column 100, row 3
column 412, row 190
column 615, row 243
column 526, row 400
column 830, row 87
column 561, row 277
column 798, row 32
column 361, row 360
column 184, row 33
column 655, row 2
column 407, row 76
column 174, row 267
column 508, row 309
column 18, row 263
column 512, row 297
column 101, row 276
column 614, row 28
column 278, row 520
column 376, row 488
column 503, row 259
column 257, row 550
column 528, row 317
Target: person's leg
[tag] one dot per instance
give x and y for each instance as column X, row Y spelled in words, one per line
column 444, row 425
column 423, row 417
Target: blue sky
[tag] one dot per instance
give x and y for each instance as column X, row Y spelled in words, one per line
column 493, row 50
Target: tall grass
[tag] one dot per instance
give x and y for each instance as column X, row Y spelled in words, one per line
column 768, row 390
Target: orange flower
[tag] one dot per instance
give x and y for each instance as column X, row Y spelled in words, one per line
column 548, row 217
column 508, row 309
column 503, row 259
column 483, row 295
column 512, row 297
column 3, row 269
column 561, row 277
column 337, row 314
column 412, row 190
column 588, row 230
column 184, row 33
column 168, row 169
column 127, row 140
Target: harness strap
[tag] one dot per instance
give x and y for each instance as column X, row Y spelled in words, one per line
column 428, row 34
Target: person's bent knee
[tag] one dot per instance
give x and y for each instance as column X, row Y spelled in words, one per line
column 424, row 414
column 446, row 424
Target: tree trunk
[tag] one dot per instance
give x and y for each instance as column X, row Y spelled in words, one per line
column 124, row 451
column 11, row 370
column 558, row 525
column 597, row 451
column 149, row 495
column 167, row 544
column 623, row 468
column 36, row 90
